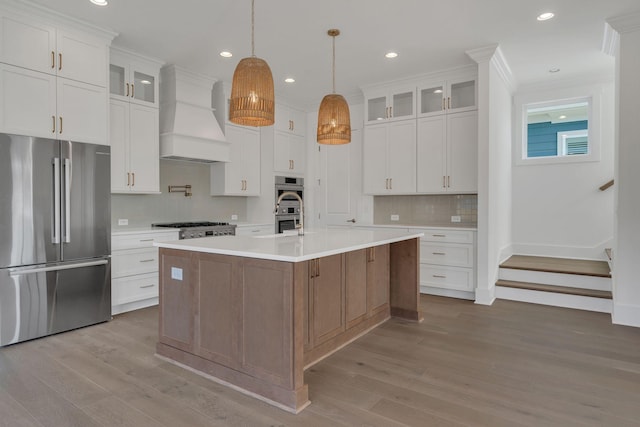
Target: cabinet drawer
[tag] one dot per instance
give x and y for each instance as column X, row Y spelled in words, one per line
column 134, row 288
column 456, row 278
column 446, row 254
column 134, row 261
column 448, row 236
column 257, row 230
column 141, row 240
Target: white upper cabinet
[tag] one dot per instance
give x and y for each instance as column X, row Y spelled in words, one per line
column 447, row 153
column 389, row 158
column 446, row 96
column 289, row 153
column 40, row 47
column 241, row 175
column 133, row 77
column 289, row 119
column 390, row 103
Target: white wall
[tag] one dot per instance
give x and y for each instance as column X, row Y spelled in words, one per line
column 626, row 280
column 557, row 208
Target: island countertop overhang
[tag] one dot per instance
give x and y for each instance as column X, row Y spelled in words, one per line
column 292, row 248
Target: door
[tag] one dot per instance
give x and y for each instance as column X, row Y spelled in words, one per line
column 27, row 188
column 86, row 213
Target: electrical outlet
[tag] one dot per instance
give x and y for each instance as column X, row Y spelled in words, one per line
column 395, row 217
column 123, row 222
column 455, row 218
column 234, row 217
column 176, row 273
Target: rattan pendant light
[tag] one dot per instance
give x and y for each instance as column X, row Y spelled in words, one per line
column 334, row 120
column 252, row 100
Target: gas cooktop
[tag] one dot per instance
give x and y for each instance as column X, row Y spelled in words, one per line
column 194, row 229
column 189, row 224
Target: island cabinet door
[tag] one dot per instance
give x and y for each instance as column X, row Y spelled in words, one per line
column 356, row 286
column 327, row 295
column 378, row 274
column 177, row 299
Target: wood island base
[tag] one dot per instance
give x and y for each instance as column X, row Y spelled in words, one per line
column 256, row 324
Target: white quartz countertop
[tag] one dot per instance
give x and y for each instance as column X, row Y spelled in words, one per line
column 292, row 248
column 123, row 231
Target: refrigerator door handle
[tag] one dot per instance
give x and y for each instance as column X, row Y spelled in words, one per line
column 13, row 272
column 67, row 201
column 55, row 235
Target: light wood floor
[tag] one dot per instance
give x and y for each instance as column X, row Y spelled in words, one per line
column 558, row 265
column 509, row 364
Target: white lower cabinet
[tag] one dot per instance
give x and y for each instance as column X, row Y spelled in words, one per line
column 255, row 229
column 134, row 268
column 447, row 262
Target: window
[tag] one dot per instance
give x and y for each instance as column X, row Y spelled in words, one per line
column 559, row 126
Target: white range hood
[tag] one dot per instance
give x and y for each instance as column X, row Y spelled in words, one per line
column 188, row 127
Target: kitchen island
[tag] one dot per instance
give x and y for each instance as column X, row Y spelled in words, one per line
column 254, row 312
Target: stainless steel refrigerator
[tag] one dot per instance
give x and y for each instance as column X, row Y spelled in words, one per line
column 55, row 236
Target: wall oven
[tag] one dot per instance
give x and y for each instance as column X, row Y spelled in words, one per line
column 288, row 214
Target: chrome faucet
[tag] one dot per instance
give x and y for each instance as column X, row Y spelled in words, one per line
column 300, row 226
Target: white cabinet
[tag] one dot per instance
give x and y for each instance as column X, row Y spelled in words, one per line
column 389, row 158
column 255, row 229
column 289, row 153
column 447, row 153
column 38, row 104
column 135, row 165
column 40, row 47
column 290, row 120
column 241, row 175
column 446, row 96
column 390, row 103
column 447, row 262
column 53, row 81
column 134, row 269
column 133, row 77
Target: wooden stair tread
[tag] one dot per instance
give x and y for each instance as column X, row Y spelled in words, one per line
column 558, row 265
column 556, row 289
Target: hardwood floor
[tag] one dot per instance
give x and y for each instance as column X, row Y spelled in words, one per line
column 510, row 364
column 558, row 265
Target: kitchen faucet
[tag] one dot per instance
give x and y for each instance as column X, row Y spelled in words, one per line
column 300, row 226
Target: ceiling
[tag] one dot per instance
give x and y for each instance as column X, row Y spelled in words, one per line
column 291, row 35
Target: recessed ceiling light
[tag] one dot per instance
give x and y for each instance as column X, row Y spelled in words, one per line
column 554, row 70
column 562, row 117
column 226, row 54
column 145, row 82
column 99, row 2
column 437, row 91
column 290, row 80
column 545, row 16
column 391, row 55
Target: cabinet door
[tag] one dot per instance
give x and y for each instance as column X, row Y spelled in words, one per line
column 462, row 152
column 431, row 99
column 29, row 45
column 431, row 154
column 144, row 149
column 355, row 286
column 401, row 149
column 402, row 103
column 378, row 276
column 327, row 290
column 461, row 95
column 251, row 163
column 228, row 178
column 282, row 119
column 374, row 160
column 281, row 156
column 82, row 57
column 27, row 102
column 82, row 112
column 119, row 141
column 298, row 154
column 298, row 121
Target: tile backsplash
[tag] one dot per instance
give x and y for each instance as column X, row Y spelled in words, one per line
column 427, row 210
column 144, row 209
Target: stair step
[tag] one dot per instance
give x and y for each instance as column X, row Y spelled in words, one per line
column 556, row 289
column 558, row 265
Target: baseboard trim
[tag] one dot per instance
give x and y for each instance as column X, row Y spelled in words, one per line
column 624, row 314
column 485, row 296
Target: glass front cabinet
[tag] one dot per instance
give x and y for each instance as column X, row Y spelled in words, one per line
column 390, row 104
column 131, row 78
column 449, row 96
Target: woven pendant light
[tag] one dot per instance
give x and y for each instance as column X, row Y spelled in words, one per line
column 252, row 100
column 334, row 119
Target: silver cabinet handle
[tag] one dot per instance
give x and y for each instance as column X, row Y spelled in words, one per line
column 20, row 272
column 67, row 201
column 147, row 286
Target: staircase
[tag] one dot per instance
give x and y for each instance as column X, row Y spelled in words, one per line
column 561, row 282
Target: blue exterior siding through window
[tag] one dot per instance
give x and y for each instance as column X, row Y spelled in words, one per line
column 542, row 138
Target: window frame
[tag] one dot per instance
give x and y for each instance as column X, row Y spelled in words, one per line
column 548, row 98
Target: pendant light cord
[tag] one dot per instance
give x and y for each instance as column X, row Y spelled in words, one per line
column 253, row 43
column 333, row 68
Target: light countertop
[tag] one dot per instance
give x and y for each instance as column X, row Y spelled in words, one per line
column 123, row 231
column 420, row 227
column 292, row 248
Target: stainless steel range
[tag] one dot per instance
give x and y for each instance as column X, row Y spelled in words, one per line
column 193, row 230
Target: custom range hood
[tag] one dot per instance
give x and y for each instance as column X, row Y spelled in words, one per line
column 188, row 127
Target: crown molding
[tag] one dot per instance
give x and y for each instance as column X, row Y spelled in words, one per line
column 610, row 40
column 482, row 54
column 627, row 23
column 493, row 53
